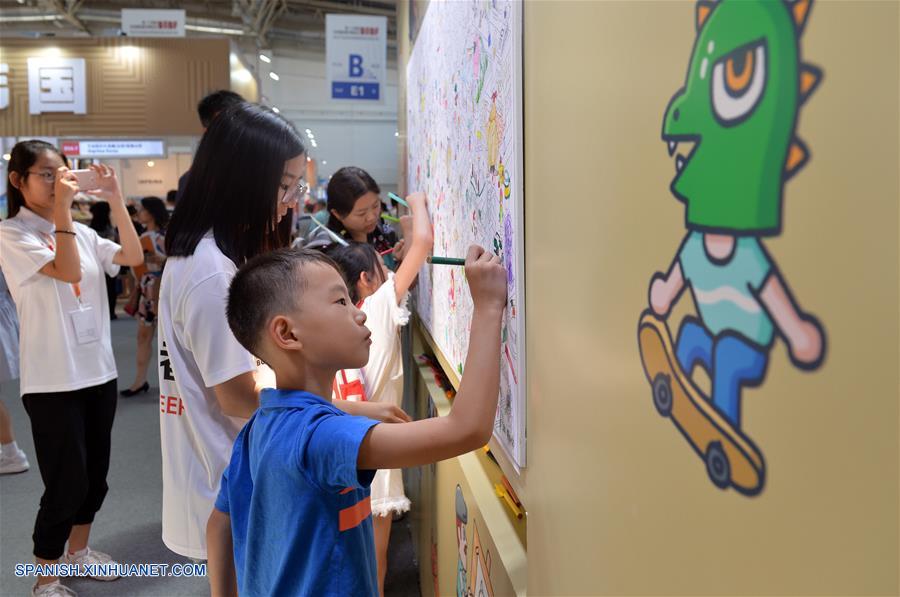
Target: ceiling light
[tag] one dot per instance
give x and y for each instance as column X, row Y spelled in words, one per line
column 274, row 76
column 265, row 58
column 151, row 164
column 276, row 110
column 129, row 52
column 205, row 29
column 28, row 18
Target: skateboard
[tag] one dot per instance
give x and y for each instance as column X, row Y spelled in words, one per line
column 732, row 459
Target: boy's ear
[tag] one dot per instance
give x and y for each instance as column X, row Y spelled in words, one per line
column 281, row 330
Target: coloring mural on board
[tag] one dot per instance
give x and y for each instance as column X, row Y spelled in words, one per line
column 739, row 107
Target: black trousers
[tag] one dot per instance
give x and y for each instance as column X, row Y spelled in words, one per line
column 72, row 433
column 111, row 294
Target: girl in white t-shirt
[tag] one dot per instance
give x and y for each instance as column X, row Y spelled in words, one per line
column 246, row 177
column 382, row 295
column 55, row 269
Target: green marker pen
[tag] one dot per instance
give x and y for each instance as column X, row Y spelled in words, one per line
column 399, row 200
column 446, row 261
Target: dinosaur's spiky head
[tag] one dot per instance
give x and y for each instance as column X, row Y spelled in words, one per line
column 739, row 106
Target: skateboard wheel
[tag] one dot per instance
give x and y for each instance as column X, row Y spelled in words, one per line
column 717, row 465
column 662, row 394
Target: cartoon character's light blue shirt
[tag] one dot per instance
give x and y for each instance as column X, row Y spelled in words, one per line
column 726, row 294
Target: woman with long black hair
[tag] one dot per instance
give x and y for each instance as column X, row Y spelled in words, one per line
column 246, row 177
column 55, row 268
column 247, row 174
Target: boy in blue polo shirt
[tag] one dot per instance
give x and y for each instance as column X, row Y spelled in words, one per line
column 293, row 514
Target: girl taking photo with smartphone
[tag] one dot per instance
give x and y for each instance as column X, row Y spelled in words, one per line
column 55, row 269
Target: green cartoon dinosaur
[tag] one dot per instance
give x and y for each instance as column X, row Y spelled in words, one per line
column 744, row 87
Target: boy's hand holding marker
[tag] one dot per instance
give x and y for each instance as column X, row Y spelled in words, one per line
column 471, row 420
column 487, row 279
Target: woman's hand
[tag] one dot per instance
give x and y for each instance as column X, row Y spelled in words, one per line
column 108, row 187
column 417, row 201
column 64, row 188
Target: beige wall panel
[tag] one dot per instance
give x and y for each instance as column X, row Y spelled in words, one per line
column 618, row 502
column 134, row 86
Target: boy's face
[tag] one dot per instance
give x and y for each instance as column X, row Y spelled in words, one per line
column 331, row 329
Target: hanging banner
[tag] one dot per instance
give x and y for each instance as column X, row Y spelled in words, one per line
column 356, row 53
column 152, row 23
column 114, row 148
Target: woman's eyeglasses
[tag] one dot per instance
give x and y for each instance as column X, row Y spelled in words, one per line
column 295, row 192
column 47, row 176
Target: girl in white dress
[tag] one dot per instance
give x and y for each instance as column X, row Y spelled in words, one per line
column 382, row 295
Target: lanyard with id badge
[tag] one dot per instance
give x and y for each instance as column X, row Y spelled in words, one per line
column 83, row 321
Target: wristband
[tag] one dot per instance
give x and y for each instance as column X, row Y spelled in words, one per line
column 64, row 232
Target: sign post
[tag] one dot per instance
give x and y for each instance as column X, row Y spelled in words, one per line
column 356, row 55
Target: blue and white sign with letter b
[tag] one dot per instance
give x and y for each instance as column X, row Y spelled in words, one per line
column 356, row 55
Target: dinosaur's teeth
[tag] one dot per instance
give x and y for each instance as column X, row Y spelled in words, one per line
column 673, row 145
column 679, row 163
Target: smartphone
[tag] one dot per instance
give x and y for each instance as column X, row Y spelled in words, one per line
column 87, row 179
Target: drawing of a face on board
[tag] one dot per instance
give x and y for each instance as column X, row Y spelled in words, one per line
column 738, row 114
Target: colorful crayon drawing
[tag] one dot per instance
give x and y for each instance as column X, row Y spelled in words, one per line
column 462, row 545
column 465, row 152
column 480, row 579
column 739, row 108
column 473, row 571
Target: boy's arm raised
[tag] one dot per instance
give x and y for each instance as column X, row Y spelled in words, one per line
column 471, row 420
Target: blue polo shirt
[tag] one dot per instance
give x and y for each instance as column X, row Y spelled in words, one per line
column 300, row 514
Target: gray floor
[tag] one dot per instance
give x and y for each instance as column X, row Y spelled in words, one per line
column 128, row 526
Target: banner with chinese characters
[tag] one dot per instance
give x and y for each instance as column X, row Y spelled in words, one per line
column 356, row 53
column 153, row 23
column 114, row 148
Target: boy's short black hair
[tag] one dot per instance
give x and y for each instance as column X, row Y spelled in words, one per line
column 216, row 102
column 267, row 285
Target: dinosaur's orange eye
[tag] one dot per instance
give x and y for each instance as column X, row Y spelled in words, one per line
column 738, row 82
column 738, row 71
